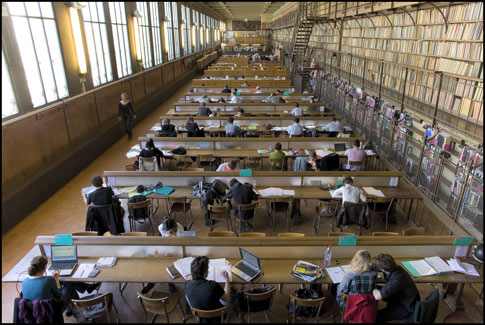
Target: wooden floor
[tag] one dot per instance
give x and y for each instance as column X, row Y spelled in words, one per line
column 65, row 212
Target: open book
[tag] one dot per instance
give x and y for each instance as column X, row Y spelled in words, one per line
column 462, row 267
column 216, row 266
column 428, row 266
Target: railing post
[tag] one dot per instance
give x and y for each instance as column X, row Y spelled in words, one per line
column 363, row 73
column 404, row 89
column 437, row 99
column 380, row 81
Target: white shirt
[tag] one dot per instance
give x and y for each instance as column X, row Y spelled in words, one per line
column 295, row 129
column 297, row 111
column 164, row 233
column 350, row 194
column 205, row 100
column 222, row 167
column 235, row 100
column 332, row 127
column 259, row 91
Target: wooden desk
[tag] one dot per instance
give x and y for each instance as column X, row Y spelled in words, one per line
column 250, row 107
column 311, row 114
column 242, row 89
column 247, row 73
column 250, row 95
column 239, row 83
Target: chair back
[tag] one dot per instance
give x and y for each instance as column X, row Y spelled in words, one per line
column 139, row 205
column 208, row 313
column 194, row 169
column 152, row 304
column 413, row 231
column 426, row 311
column 291, row 234
column 252, row 234
column 379, row 199
column 105, row 299
column 328, row 205
column 85, row 233
column 204, row 158
column 335, row 234
column 245, row 207
column 266, row 134
column 383, row 233
column 275, row 162
column 178, row 157
column 260, row 296
column 306, row 303
column 221, row 234
column 219, row 212
column 134, row 233
column 355, row 163
column 148, row 164
column 177, row 199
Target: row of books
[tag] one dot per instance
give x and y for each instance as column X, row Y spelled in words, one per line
column 465, row 32
column 430, row 32
column 428, row 16
column 471, row 51
column 470, row 11
column 469, row 69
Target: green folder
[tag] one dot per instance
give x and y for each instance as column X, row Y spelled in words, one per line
column 252, row 127
column 165, row 190
column 147, row 192
column 245, row 172
column 411, row 269
column 238, row 93
column 462, row 241
column 63, row 239
column 286, row 93
column 347, row 240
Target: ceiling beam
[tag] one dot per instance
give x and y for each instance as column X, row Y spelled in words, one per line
column 266, row 6
column 223, row 5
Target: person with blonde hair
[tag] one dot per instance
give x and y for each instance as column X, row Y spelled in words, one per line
column 360, row 279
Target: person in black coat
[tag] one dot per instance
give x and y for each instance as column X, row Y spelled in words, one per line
column 203, row 110
column 126, row 112
column 168, row 130
column 226, row 90
column 151, row 151
column 242, row 194
column 192, row 127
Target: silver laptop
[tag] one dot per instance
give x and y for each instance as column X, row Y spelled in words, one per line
column 64, row 259
column 248, row 268
column 339, row 147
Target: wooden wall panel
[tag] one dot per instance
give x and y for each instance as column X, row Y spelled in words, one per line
column 107, row 100
column 51, row 132
column 81, row 116
column 167, row 74
column 177, row 68
column 137, row 88
column 153, row 80
column 11, row 167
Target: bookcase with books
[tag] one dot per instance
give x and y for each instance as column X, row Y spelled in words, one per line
column 470, row 214
column 429, row 170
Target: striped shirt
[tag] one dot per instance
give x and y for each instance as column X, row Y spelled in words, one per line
column 356, row 284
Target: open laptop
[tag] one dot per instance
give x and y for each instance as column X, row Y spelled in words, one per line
column 339, row 147
column 64, row 259
column 248, row 268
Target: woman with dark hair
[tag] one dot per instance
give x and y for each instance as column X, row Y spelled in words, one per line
column 40, row 286
column 151, row 151
column 126, row 112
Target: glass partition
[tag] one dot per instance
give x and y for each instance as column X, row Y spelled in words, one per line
column 138, row 179
column 172, row 144
column 358, row 180
column 263, row 181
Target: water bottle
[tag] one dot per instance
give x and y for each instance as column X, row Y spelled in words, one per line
column 254, row 182
column 270, row 148
column 328, row 256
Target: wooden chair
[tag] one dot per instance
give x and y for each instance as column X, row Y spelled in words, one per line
column 252, row 234
column 195, row 169
column 250, row 161
column 281, row 204
column 160, row 303
column 220, row 213
column 85, row 233
column 296, row 136
column 382, row 211
column 266, row 134
column 148, row 164
column 199, row 313
column 383, row 233
column 181, row 162
column 413, row 231
column 247, row 207
column 203, row 159
column 274, row 162
column 146, row 206
column 134, row 233
column 335, row 234
column 180, row 204
column 329, row 206
column 257, row 297
column 306, row 303
column 221, row 234
column 356, row 163
column 105, row 302
column 336, row 306
column 291, row 234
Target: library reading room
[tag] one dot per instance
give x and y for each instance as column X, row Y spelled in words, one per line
column 233, row 162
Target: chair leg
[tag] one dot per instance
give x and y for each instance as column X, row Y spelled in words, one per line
column 387, row 218
column 153, row 319
column 268, row 316
column 122, row 286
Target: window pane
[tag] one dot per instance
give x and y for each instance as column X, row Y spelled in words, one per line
column 120, row 38
column 155, row 23
column 33, row 9
column 46, row 9
column 144, row 31
column 56, row 58
column 16, row 8
column 9, row 104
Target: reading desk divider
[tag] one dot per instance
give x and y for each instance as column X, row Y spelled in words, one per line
column 184, row 106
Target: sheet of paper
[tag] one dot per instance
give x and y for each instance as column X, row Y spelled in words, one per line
column 83, row 271
column 336, row 274
column 348, row 128
column 394, row 181
column 216, row 262
column 106, row 261
column 88, row 190
column 323, row 152
column 462, row 267
column 214, row 273
column 346, row 268
column 132, row 154
column 116, row 192
column 167, row 153
column 183, row 266
column 156, row 127
column 271, row 191
column 288, row 192
column 373, row 191
column 439, row 264
column 461, row 251
column 332, row 193
column 128, row 189
column 136, row 147
column 423, row 267
column 370, row 153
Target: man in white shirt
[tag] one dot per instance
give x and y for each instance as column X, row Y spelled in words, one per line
column 258, row 90
column 235, row 99
column 297, row 110
column 295, row 128
column 205, row 99
column 349, row 192
column 333, row 126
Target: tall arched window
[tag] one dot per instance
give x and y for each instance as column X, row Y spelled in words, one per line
column 120, row 38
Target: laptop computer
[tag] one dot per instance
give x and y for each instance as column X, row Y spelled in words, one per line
column 248, row 268
column 339, row 147
column 64, row 259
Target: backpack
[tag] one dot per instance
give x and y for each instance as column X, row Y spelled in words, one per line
column 179, row 151
column 219, row 187
column 304, row 293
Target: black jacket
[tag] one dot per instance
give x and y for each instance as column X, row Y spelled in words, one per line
column 168, row 130
column 242, row 194
column 353, row 213
column 330, row 162
column 103, row 218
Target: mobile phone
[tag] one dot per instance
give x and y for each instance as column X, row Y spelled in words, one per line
column 94, row 273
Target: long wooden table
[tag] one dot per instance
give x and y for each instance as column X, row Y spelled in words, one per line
column 239, row 83
column 247, row 73
column 241, row 88
column 173, row 112
column 250, row 107
column 248, row 95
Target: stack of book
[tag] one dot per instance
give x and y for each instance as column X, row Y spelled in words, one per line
column 306, row 271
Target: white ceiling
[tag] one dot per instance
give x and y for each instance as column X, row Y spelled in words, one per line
column 238, row 10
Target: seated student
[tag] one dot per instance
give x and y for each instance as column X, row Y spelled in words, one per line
column 192, row 127
column 399, row 292
column 359, row 280
column 150, row 151
column 275, row 99
column 206, row 78
column 205, row 99
column 228, row 167
column 231, row 129
column 240, row 112
column 168, row 130
column 226, row 90
column 258, row 90
column 297, row 110
column 100, row 196
column 245, row 84
column 203, row 110
column 277, row 154
column 295, row 128
column 206, row 294
column 312, row 100
column 312, row 162
column 354, row 154
column 235, row 99
column 40, row 286
column 349, row 192
column 169, row 227
column 332, row 127
column 242, row 78
column 242, row 194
